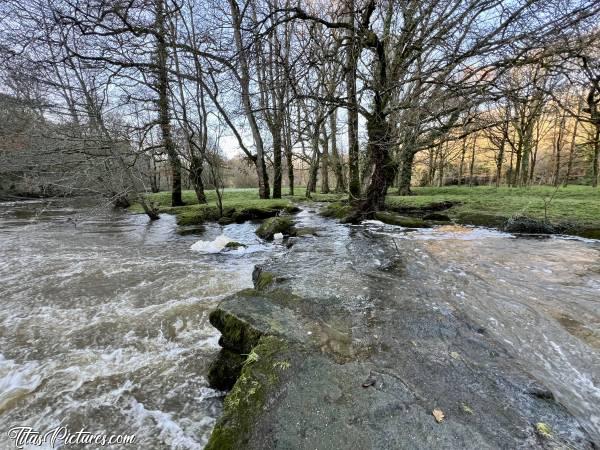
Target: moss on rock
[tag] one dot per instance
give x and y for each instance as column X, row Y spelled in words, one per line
column 403, row 221
column 234, row 245
column 590, row 233
column 225, row 369
column 273, row 225
column 336, row 210
column 528, row 225
column 237, row 334
column 247, row 398
column 264, row 280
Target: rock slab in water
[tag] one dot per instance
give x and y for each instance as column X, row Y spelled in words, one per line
column 302, row 383
column 274, row 225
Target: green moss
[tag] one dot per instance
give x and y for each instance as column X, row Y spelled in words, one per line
column 248, row 396
column 237, row 334
column 543, row 429
column 225, row 369
column 238, row 205
column 264, row 280
column 480, row 219
column 274, row 225
column 403, row 221
column 336, row 210
column 234, row 245
column 590, row 233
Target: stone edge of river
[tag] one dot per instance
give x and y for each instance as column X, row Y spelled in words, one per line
column 286, row 390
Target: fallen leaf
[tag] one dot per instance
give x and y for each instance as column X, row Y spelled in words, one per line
column 455, row 355
column 543, row 429
column 439, row 415
column 466, row 408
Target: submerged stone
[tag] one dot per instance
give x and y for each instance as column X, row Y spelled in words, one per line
column 306, row 231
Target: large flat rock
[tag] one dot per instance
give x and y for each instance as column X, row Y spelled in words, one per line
column 320, row 375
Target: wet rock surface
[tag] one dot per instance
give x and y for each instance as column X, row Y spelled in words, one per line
column 274, row 225
column 327, row 367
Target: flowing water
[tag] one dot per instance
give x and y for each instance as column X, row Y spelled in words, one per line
column 104, row 315
column 104, row 321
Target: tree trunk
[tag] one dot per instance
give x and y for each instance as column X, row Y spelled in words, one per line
column 196, row 178
column 407, row 157
column 472, row 163
column 499, row 161
column 338, row 168
column 163, row 105
column 264, row 190
column 289, row 159
column 572, row 149
column 595, row 157
column 325, row 164
column 353, row 148
column 384, row 166
column 276, row 133
column 462, row 160
column 517, row 170
column 559, row 144
column 313, row 170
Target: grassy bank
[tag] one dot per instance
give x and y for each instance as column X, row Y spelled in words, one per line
column 238, row 205
column 578, row 205
column 481, row 205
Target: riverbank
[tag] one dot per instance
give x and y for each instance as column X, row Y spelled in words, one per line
column 575, row 205
column 239, row 205
column 537, row 209
column 572, row 210
column 346, row 343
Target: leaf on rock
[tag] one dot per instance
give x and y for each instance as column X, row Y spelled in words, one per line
column 439, row 415
column 543, row 429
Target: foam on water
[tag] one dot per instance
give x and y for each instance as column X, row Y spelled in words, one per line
column 214, row 246
column 105, row 324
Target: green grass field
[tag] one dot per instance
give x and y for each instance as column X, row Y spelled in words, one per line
column 575, row 204
column 579, row 205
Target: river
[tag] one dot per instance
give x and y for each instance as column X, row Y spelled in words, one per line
column 104, row 316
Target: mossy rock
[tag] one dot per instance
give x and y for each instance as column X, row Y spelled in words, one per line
column 234, row 245
column 403, row 221
column 336, row 210
column 481, row 219
column 194, row 215
column 437, row 217
column 528, row 225
column 188, row 230
column 264, row 368
column 225, row 370
column 236, row 333
column 273, row 225
column 225, row 220
column 590, row 233
column 264, row 280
